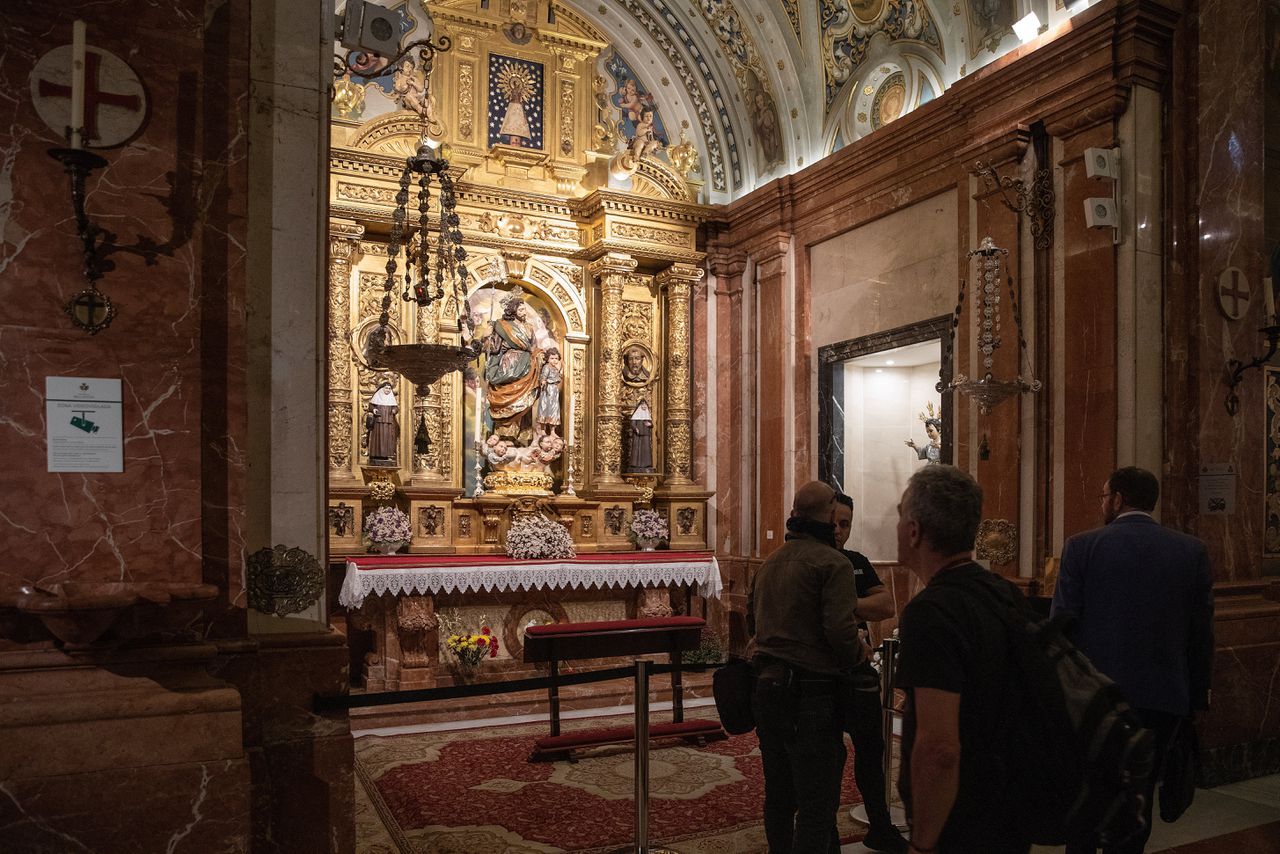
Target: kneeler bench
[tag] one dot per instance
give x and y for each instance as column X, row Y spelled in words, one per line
column 575, row 641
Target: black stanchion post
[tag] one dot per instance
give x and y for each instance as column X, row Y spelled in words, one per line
column 641, row 845
column 642, row 756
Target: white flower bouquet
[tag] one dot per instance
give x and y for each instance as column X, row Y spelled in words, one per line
column 533, row 536
column 388, row 525
column 648, row 526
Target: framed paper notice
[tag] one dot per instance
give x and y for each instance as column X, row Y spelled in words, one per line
column 83, row 416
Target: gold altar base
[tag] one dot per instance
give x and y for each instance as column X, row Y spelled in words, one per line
column 519, row 482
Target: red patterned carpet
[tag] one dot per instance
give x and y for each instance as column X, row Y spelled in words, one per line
column 474, row 792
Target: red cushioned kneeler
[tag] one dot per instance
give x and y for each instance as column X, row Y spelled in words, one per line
column 571, row 641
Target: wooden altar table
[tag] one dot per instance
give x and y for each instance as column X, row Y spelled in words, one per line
column 434, row 574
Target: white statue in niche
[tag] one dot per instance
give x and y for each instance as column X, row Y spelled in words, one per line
column 933, row 429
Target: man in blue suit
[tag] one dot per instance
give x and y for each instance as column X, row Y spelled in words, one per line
column 1142, row 595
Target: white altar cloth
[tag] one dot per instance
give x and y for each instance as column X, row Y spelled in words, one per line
column 426, row 574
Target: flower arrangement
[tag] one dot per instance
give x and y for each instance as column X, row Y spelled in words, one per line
column 648, row 526
column 709, row 650
column 388, row 525
column 533, row 536
column 469, row 647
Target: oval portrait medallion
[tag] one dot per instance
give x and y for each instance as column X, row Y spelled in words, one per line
column 867, row 11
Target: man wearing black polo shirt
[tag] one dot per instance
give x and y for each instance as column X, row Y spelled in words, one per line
column 863, row 710
column 954, row 665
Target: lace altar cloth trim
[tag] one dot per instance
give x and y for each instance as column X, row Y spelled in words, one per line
column 376, row 577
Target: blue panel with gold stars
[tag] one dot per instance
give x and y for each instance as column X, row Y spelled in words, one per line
column 515, row 102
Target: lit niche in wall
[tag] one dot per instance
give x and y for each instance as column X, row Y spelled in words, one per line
column 880, row 419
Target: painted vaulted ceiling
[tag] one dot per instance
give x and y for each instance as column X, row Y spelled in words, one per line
column 765, row 87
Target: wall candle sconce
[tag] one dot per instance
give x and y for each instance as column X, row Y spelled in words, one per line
column 1235, row 367
column 90, row 309
column 1036, row 201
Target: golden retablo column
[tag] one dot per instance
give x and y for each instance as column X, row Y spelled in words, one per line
column 344, row 250
column 678, row 281
column 611, row 270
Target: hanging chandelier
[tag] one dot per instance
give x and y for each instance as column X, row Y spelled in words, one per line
column 988, row 392
column 433, row 259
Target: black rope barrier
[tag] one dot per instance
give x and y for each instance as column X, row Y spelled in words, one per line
column 338, row 702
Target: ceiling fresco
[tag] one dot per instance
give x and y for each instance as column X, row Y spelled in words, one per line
column 755, row 98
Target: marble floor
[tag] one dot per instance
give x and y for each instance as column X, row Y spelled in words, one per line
column 1215, row 813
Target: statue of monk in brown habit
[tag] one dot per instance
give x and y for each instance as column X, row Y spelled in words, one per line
column 382, row 427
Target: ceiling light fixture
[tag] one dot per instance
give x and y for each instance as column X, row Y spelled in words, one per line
column 1027, row 28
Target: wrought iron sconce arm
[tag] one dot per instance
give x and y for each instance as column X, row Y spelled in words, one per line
column 1036, row 201
column 1237, row 368
column 429, row 48
column 79, row 164
column 90, row 309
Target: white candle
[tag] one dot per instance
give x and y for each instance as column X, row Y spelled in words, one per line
column 1269, row 299
column 479, row 409
column 77, row 84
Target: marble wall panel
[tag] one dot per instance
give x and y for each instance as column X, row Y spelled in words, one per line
column 1230, row 204
column 890, row 272
column 1089, row 315
column 174, row 200
column 998, row 474
column 770, row 413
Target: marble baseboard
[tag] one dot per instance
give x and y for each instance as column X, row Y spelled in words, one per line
column 1235, row 762
column 195, row 807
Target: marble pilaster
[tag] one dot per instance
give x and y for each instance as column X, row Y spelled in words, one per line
column 772, row 390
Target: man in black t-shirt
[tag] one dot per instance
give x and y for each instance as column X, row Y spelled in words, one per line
column 862, row 709
column 954, row 665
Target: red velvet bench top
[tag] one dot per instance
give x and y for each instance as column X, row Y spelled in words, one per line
column 605, row 638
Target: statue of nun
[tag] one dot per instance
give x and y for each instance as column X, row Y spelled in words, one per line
column 381, row 427
column 640, row 435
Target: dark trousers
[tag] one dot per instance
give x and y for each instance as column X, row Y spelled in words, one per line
column 802, row 751
column 1163, row 724
column 864, row 721
column 862, row 717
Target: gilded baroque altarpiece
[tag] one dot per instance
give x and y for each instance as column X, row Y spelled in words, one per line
column 606, row 267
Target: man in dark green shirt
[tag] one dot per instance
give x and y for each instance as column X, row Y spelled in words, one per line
column 801, row 611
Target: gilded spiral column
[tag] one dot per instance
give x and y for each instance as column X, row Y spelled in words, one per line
column 612, row 271
column 344, row 250
column 678, row 281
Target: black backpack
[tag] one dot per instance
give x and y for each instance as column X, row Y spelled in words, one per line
column 1072, row 756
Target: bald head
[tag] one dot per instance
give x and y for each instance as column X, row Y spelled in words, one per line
column 815, row 501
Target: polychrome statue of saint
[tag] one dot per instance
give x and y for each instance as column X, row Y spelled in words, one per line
column 510, row 370
column 382, row 427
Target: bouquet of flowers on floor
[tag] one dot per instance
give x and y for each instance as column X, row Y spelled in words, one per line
column 468, row 647
column 532, row 536
column 388, row 525
column 648, row 527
